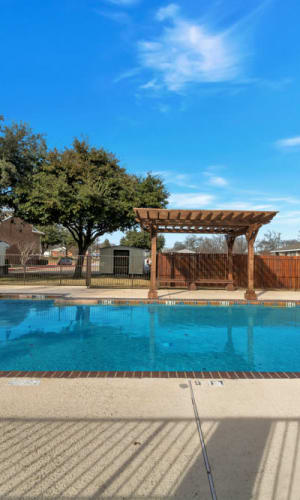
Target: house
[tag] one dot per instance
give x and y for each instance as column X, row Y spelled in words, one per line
column 288, row 252
column 171, row 250
column 61, row 252
column 20, row 236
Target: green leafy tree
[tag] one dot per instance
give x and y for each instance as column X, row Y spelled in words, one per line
column 21, row 154
column 52, row 236
column 55, row 235
column 90, row 195
column 141, row 239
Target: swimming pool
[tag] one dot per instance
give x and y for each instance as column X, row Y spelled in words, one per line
column 39, row 335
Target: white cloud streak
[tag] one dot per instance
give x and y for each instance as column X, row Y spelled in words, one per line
column 181, row 180
column 124, row 3
column 217, row 181
column 188, row 200
column 188, row 51
column 289, row 143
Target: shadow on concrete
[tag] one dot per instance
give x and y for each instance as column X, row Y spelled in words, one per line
column 89, row 459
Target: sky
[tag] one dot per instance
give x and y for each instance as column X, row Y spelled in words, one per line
column 203, row 93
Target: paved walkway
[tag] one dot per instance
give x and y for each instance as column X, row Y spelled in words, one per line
column 133, row 293
column 138, row 439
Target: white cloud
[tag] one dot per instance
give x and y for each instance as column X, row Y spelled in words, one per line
column 124, row 3
column 288, row 143
column 152, row 84
column 188, row 51
column 243, row 205
column 218, row 181
column 167, row 12
column 190, row 200
column 127, row 74
column 291, row 218
column 287, row 199
column 181, row 180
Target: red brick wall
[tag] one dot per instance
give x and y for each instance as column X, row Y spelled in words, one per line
column 13, row 230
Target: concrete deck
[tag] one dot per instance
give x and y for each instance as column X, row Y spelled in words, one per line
column 138, row 439
column 136, row 293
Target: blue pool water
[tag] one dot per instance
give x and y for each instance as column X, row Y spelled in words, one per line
column 37, row 335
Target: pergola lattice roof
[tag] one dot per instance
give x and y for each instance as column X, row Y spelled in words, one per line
column 231, row 222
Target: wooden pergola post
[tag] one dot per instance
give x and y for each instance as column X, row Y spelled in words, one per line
column 251, row 237
column 230, row 242
column 152, row 294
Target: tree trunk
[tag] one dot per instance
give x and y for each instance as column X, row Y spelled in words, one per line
column 80, row 260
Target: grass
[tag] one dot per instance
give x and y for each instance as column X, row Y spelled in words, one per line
column 103, row 282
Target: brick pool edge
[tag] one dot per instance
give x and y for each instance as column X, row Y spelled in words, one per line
column 150, row 374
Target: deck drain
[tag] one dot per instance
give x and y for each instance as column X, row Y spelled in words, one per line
column 24, row 382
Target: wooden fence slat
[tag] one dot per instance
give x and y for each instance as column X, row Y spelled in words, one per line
column 271, row 271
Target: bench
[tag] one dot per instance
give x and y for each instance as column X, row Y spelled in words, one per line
column 192, row 283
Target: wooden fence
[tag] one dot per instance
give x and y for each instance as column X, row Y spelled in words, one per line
column 270, row 271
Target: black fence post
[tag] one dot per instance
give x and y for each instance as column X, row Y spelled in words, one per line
column 88, row 277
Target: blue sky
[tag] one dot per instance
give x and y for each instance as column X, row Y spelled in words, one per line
column 206, row 94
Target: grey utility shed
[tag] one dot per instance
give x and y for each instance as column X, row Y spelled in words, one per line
column 122, row 261
column 3, row 247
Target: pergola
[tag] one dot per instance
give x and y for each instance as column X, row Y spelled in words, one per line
column 231, row 223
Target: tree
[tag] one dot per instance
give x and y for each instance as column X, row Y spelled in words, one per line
column 106, row 243
column 25, row 248
column 141, row 239
column 271, row 241
column 52, row 236
column 21, row 154
column 178, row 245
column 55, row 234
column 90, row 194
column 240, row 245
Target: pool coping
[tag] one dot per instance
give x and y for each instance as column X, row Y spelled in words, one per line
column 64, row 300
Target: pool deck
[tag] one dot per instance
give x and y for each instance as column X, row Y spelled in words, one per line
column 138, row 293
column 138, row 439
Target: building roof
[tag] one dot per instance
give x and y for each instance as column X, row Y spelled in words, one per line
column 285, row 250
column 184, row 250
column 231, row 222
column 34, row 229
column 121, row 247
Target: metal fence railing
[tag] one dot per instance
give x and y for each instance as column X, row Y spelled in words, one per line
column 112, row 271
